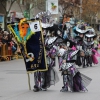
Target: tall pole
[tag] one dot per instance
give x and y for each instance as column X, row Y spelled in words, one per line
column 46, row 5
column 80, row 10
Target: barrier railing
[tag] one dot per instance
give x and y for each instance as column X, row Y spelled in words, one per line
column 6, row 53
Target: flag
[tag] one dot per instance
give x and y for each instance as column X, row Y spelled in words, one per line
column 35, row 47
column 31, row 43
column 52, row 6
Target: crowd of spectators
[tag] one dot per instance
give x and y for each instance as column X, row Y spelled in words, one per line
column 7, row 38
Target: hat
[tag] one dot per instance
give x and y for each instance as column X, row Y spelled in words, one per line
column 72, row 43
column 90, row 35
column 80, row 29
column 90, row 30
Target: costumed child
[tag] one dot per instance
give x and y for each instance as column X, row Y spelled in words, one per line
column 90, row 48
column 80, row 31
column 72, row 78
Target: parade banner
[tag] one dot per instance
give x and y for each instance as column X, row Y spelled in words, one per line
column 29, row 36
column 52, row 6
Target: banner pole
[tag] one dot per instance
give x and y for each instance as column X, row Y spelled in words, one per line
column 29, row 81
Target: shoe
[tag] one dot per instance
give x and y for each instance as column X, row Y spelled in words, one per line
column 36, row 89
column 90, row 65
column 84, row 66
column 44, row 89
column 84, row 90
column 64, row 89
column 87, row 65
column 71, row 91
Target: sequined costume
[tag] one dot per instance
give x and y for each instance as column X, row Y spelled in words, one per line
column 88, row 48
column 72, row 78
column 44, row 79
column 80, row 31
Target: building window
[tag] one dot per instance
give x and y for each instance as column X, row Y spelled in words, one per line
column 1, row 18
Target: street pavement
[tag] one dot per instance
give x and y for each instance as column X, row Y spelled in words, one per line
column 14, row 84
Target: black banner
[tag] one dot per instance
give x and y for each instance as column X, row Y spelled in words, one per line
column 32, row 49
column 34, row 46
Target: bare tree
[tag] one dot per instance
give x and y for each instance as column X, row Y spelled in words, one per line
column 3, row 3
column 67, row 6
column 90, row 10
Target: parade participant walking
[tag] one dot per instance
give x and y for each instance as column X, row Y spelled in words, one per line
column 72, row 78
column 49, row 77
column 80, row 31
column 89, row 49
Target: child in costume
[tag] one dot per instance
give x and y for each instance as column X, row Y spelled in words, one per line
column 72, row 78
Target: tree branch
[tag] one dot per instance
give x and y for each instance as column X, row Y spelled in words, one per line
column 20, row 7
column 10, row 6
column 2, row 4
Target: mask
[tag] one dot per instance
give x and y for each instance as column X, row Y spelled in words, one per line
column 68, row 44
column 23, row 28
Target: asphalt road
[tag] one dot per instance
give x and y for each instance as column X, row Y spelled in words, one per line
column 14, row 84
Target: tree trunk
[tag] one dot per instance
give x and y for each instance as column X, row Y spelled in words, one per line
column 91, row 20
column 5, row 22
